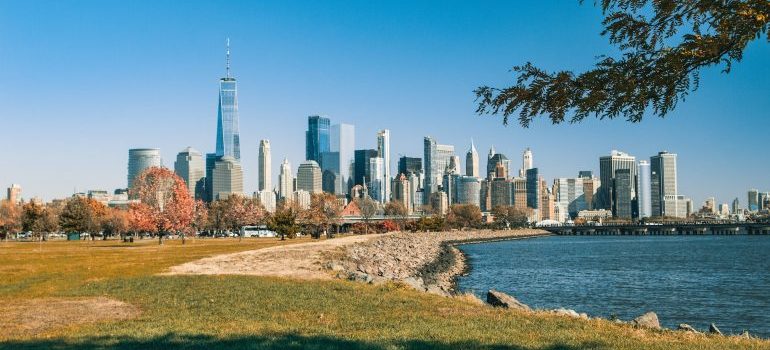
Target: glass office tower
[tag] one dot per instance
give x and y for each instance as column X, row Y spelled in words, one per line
column 228, row 136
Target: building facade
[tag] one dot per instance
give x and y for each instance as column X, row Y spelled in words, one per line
column 383, row 152
column 189, row 166
column 644, row 186
column 472, row 162
column 228, row 178
column 343, row 143
column 309, row 177
column 608, row 166
column 662, row 182
column 265, row 171
column 285, row 180
column 228, row 135
column 436, row 158
column 316, row 137
column 140, row 159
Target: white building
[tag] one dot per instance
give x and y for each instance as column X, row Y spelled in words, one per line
column 228, row 178
column 265, row 173
column 285, row 180
column 301, row 198
column 309, row 177
column 383, row 151
column 644, row 189
column 267, row 199
column 189, row 166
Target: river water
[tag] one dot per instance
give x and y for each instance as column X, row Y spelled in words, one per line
column 684, row 279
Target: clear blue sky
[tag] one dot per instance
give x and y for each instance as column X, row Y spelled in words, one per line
column 81, row 82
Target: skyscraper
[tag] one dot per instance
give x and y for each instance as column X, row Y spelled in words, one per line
column 309, row 177
column 190, row 167
column 343, row 142
column 644, row 189
column 228, row 136
column 402, row 192
column 662, row 181
column 140, row 159
column 410, row 165
column 208, row 188
column 526, row 161
column 570, row 196
column 437, row 158
column 383, row 151
column 605, row 196
column 361, row 169
column 472, row 161
column 753, row 202
column 316, row 137
column 623, row 190
column 498, row 159
column 265, row 174
column 14, row 193
column 533, row 188
column 228, row 178
column 376, row 184
column 285, row 180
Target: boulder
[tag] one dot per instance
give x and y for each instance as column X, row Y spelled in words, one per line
column 714, row 330
column 648, row 320
column 746, row 334
column 414, row 282
column 358, row 276
column 687, row 328
column 434, row 289
column 567, row 312
column 377, row 280
column 500, row 299
column 335, row 266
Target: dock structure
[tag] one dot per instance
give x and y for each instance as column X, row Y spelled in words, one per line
column 663, row 229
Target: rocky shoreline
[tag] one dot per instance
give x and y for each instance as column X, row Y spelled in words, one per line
column 431, row 262
column 428, row 262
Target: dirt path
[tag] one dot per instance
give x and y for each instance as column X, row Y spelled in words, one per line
column 301, row 260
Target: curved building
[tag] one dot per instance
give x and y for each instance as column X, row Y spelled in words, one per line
column 140, row 159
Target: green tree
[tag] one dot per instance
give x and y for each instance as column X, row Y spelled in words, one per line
column 78, row 216
column 664, row 44
column 284, row 221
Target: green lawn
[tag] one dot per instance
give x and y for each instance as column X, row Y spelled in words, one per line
column 223, row 312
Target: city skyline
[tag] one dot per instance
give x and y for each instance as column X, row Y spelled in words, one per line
column 701, row 170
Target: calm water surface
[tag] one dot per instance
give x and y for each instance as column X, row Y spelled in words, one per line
column 684, row 279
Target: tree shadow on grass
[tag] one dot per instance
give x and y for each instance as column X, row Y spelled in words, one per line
column 282, row 341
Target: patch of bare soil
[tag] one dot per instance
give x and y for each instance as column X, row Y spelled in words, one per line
column 19, row 318
column 302, row 261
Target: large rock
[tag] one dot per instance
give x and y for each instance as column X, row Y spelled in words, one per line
column 358, row 276
column 714, row 330
column 687, row 328
column 414, row 282
column 648, row 320
column 500, row 299
column 567, row 312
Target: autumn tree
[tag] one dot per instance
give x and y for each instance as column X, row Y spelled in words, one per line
column 81, row 215
column 216, row 218
column 397, row 210
column 164, row 199
column 509, row 216
column 10, row 218
column 284, row 221
column 663, row 44
column 464, row 215
column 369, row 208
column 32, row 218
column 200, row 216
column 324, row 212
column 115, row 222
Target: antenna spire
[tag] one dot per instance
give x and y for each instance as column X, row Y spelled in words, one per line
column 228, row 58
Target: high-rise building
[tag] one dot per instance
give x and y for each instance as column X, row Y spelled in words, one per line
column 285, row 180
column 736, row 206
column 644, row 189
column 228, row 136
column 383, row 151
column 330, row 168
column 753, row 201
column 309, row 177
column 468, row 189
column 140, row 159
column 533, row 188
column 342, row 143
column 410, row 165
column 316, row 137
column 228, row 178
column 585, row 174
column 677, row 206
column 208, row 188
column 500, row 193
column 267, row 199
column 472, row 161
column 623, row 190
column 526, row 162
column 376, row 185
column 496, row 161
column 402, row 192
column 362, row 167
column 302, row 198
column 608, row 165
column 190, row 167
column 14, row 193
column 265, row 173
column 439, row 202
column 454, row 165
column 762, row 200
column 570, row 197
column 590, row 186
column 437, row 158
column 519, row 193
column 662, row 182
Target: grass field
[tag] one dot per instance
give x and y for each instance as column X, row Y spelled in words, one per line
column 245, row 312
